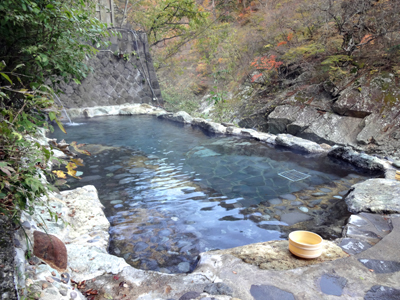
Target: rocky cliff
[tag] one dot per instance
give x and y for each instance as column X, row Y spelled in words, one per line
column 361, row 111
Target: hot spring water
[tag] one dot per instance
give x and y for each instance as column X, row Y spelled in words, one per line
column 172, row 191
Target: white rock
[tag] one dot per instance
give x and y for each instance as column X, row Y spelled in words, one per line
column 297, row 143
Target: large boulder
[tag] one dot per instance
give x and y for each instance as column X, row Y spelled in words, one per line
column 375, row 195
column 360, row 160
column 51, row 250
column 313, row 124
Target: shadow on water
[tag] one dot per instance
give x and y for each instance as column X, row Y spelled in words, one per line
column 171, row 191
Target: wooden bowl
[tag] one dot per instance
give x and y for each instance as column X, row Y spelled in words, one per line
column 305, row 244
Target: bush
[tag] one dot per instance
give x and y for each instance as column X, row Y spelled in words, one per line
column 42, row 42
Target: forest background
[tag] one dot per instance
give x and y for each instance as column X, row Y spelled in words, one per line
column 231, row 50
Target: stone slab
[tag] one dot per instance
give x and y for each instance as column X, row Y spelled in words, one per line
column 275, row 255
column 375, row 195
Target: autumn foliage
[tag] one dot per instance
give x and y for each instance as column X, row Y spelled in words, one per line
column 266, row 63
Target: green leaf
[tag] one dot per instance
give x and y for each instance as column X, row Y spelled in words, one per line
column 19, row 66
column 2, row 65
column 6, row 77
column 52, row 115
column 60, row 126
column 76, row 81
column 49, row 6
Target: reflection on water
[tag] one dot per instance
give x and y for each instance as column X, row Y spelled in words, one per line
column 171, row 191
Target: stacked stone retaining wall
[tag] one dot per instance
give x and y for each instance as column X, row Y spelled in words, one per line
column 122, row 73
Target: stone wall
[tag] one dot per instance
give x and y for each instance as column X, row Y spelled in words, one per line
column 122, row 73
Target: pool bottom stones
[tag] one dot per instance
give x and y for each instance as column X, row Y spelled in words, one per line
column 137, row 189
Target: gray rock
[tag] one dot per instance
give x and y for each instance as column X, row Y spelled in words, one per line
column 189, row 296
column 375, row 195
column 314, row 203
column 137, row 170
column 360, row 160
column 26, row 225
column 180, row 116
column 184, row 267
column 290, row 197
column 312, row 124
column 396, row 164
column 63, row 292
column 113, row 168
column 73, row 295
column 119, row 176
column 275, row 201
column 318, row 194
column 380, row 292
column 219, row 288
column 297, row 143
column 270, row 292
column 140, row 246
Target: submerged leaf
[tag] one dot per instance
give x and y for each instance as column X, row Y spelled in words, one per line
column 60, row 174
column 78, row 161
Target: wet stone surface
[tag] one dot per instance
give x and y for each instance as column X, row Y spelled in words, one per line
column 332, row 285
column 263, row 292
column 380, row 292
column 363, row 231
column 354, row 246
column 381, row 266
column 181, row 192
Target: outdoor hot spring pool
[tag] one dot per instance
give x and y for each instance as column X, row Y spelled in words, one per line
column 172, row 191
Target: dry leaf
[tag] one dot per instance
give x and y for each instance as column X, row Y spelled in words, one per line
column 234, row 272
column 49, row 279
column 168, row 289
